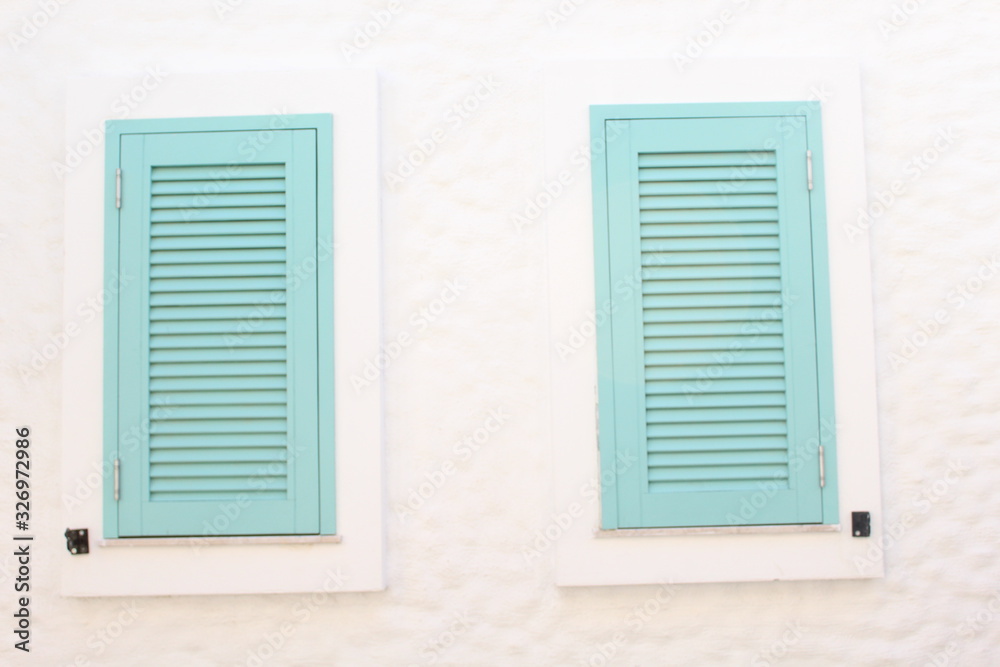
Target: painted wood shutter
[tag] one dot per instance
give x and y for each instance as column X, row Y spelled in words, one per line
column 218, row 384
column 713, row 361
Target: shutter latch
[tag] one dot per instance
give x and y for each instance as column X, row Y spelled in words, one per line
column 118, row 188
column 77, row 541
column 861, row 524
column 117, row 480
column 809, row 169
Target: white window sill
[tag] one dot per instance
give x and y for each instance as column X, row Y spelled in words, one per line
column 717, row 530
column 218, row 541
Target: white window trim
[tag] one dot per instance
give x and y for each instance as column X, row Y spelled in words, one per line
column 354, row 560
column 584, row 554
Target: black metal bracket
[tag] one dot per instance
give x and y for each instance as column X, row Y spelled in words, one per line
column 861, row 524
column 77, row 541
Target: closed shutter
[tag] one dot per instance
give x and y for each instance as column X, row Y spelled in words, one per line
column 714, row 366
column 218, row 394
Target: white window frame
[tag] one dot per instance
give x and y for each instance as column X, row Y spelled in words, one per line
column 353, row 560
column 586, row 555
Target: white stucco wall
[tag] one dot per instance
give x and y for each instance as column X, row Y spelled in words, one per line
column 458, row 589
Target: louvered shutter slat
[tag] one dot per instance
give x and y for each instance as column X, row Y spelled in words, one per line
column 210, row 382
column 196, row 186
column 223, row 440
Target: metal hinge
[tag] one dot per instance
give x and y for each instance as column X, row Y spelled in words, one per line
column 809, row 169
column 117, row 479
column 822, row 468
column 597, row 416
column 118, row 188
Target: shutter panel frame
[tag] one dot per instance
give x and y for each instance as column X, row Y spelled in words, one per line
column 306, row 141
column 623, row 460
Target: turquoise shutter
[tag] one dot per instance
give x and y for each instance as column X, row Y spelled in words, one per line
column 217, row 351
column 711, row 360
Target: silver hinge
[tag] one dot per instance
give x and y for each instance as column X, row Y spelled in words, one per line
column 822, row 468
column 809, row 169
column 597, row 416
column 118, row 188
column 117, row 479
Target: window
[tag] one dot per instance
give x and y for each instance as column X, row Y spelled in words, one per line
column 585, row 477
column 223, row 558
column 219, row 347
column 715, row 376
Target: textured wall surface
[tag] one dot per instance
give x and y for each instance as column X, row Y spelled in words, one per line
column 459, row 592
